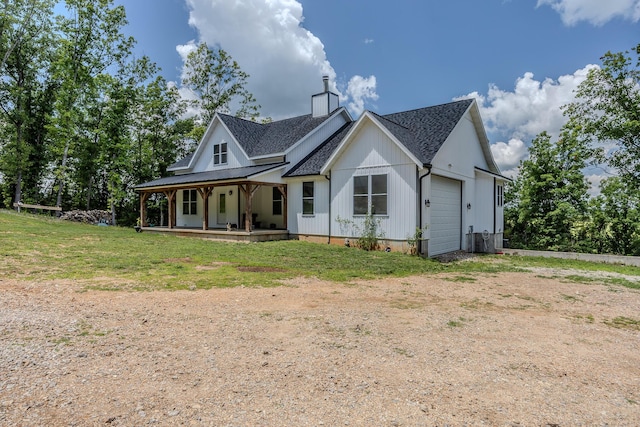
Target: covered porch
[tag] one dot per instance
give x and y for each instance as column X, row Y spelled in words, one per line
column 231, row 204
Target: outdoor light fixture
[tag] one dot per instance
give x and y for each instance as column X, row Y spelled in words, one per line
column 468, row 205
column 427, row 203
column 230, row 192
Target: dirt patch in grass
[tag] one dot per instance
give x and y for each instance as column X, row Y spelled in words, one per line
column 261, row 269
column 505, row 349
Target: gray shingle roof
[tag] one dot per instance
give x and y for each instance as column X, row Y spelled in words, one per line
column 182, row 163
column 270, row 138
column 312, row 164
column 423, row 131
column 209, row 176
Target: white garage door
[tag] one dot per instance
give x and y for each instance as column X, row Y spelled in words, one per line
column 446, row 200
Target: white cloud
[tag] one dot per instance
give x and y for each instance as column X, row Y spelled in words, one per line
column 285, row 61
column 359, row 90
column 597, row 12
column 508, row 154
column 519, row 115
column 368, row 41
column 532, row 107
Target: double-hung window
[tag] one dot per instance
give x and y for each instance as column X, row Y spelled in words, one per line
column 307, row 198
column 370, row 195
column 189, row 202
column 220, row 154
column 277, row 201
column 499, row 195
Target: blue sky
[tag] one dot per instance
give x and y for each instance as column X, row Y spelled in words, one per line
column 521, row 59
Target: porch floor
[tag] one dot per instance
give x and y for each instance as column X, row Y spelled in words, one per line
column 257, row 235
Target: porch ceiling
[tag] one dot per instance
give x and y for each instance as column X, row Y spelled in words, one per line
column 221, row 176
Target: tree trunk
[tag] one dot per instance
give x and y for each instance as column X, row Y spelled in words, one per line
column 18, row 193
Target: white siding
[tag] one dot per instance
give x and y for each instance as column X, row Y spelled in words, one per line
column 484, row 204
column 457, row 159
column 187, row 220
column 316, row 224
column 204, row 153
column 372, row 152
column 461, row 153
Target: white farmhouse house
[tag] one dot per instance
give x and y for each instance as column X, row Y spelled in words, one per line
column 315, row 176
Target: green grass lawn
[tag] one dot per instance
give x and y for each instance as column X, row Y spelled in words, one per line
column 42, row 248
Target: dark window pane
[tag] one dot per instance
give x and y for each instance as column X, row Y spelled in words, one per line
column 185, row 208
column 360, row 205
column 360, row 185
column 378, row 184
column 307, row 206
column 379, row 205
column 307, row 189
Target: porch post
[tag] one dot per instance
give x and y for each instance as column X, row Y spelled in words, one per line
column 143, row 208
column 171, row 198
column 248, row 190
column 205, row 193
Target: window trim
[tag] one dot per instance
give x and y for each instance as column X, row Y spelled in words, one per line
column 189, row 202
column 370, row 195
column 309, row 198
column 221, row 157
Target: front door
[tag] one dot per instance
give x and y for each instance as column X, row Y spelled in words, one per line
column 222, row 208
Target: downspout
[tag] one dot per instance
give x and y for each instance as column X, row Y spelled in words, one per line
column 328, row 177
column 494, row 205
column 420, row 198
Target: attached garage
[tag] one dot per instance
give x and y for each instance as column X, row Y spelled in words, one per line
column 446, row 215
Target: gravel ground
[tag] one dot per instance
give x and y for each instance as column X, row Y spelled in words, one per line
column 514, row 349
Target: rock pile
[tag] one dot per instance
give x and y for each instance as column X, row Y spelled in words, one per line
column 90, row 217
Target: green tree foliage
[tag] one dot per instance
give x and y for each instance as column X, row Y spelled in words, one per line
column 25, row 93
column 549, row 195
column 218, row 84
column 607, row 112
column 90, row 41
column 82, row 121
column 614, row 222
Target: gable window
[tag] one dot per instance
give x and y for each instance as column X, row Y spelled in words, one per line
column 307, row 198
column 277, row 201
column 189, row 202
column 500, row 195
column 370, row 191
column 220, row 154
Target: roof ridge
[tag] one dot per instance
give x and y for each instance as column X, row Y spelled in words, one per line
column 429, row 107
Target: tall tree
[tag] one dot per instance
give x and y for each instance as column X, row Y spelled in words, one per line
column 607, row 111
column 614, row 223
column 25, row 40
column 90, row 42
column 218, row 84
column 549, row 194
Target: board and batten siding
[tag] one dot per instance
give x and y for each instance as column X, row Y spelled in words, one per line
column 313, row 225
column 372, row 152
column 484, row 203
column 235, row 156
column 313, row 140
column 457, row 159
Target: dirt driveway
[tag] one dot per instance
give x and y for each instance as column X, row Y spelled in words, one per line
column 525, row 349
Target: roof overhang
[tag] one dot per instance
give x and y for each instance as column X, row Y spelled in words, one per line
column 209, row 178
column 495, row 175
